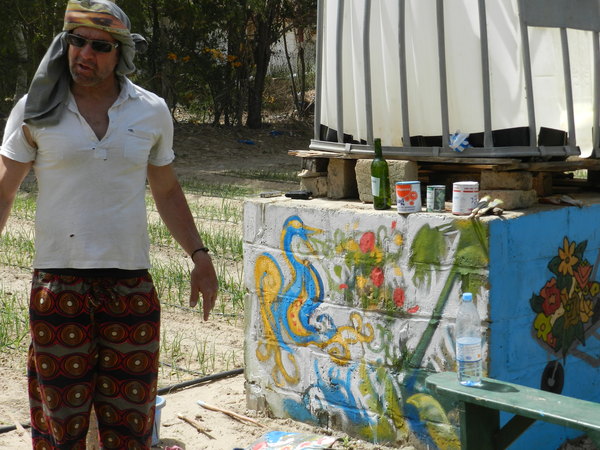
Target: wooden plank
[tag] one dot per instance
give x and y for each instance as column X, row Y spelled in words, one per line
column 570, row 164
column 553, row 166
column 447, row 164
column 433, row 159
column 521, row 400
column 458, row 168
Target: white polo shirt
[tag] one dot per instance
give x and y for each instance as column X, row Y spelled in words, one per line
column 91, row 210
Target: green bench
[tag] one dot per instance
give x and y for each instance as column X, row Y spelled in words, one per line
column 480, row 416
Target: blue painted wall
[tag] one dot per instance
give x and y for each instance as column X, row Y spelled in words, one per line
column 544, row 306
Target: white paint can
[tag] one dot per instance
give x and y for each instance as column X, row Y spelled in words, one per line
column 408, row 196
column 465, row 196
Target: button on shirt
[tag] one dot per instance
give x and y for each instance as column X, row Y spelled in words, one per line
column 91, row 210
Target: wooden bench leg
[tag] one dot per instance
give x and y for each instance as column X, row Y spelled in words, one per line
column 478, row 426
column 595, row 437
column 514, row 428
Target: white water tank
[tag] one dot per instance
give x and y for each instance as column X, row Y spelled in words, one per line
column 503, row 71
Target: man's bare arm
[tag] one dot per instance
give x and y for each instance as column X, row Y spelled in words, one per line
column 175, row 213
column 12, row 174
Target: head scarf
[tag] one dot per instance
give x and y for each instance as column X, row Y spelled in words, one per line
column 50, row 85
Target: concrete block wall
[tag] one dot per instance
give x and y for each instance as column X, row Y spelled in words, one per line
column 348, row 309
column 338, row 317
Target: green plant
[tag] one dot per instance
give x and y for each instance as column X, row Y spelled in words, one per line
column 13, row 320
column 268, row 175
column 16, row 248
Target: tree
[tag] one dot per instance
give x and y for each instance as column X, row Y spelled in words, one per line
column 265, row 28
column 204, row 55
column 302, row 20
column 26, row 29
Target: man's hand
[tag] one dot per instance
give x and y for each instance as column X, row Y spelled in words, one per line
column 204, row 281
column 175, row 213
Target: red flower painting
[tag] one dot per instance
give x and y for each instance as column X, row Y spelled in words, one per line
column 399, row 297
column 367, row 242
column 551, row 295
column 566, row 307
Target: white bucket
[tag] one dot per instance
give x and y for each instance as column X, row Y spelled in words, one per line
column 465, row 196
column 160, row 404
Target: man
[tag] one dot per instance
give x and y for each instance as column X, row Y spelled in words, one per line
column 93, row 138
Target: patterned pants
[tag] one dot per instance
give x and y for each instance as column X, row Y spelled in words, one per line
column 95, row 342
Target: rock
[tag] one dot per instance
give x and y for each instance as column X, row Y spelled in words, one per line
column 513, row 199
column 514, row 180
column 399, row 171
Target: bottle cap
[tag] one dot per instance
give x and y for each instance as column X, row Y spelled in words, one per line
column 467, row 297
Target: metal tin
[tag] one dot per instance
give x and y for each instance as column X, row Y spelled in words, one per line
column 465, row 196
column 408, row 196
column 436, row 197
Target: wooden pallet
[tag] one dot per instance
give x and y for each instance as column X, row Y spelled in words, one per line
column 552, row 177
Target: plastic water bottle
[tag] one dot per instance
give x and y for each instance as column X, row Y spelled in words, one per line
column 467, row 333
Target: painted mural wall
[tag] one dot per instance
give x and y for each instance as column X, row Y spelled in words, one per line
column 349, row 309
column 545, row 307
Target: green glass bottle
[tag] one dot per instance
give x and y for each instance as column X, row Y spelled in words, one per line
column 380, row 178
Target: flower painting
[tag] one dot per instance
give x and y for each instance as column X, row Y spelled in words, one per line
column 369, row 271
column 568, row 305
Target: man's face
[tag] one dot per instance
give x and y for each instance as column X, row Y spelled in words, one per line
column 89, row 67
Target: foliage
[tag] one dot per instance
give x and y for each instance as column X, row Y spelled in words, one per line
column 28, row 27
column 209, row 58
column 569, row 303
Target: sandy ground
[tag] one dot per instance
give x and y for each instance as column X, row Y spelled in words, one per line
column 222, row 431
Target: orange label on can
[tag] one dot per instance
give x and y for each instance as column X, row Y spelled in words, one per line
column 408, row 196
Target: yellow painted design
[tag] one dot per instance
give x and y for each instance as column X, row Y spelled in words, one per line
column 441, row 431
column 268, row 282
column 338, row 347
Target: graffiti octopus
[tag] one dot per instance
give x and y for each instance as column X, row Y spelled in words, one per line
column 568, row 306
column 383, row 397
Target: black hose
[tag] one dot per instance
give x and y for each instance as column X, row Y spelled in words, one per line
column 213, row 377
column 161, row 391
column 8, row 428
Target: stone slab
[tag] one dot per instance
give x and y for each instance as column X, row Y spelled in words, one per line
column 515, row 180
column 513, row 199
column 399, row 171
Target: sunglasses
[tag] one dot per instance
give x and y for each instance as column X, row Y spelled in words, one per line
column 98, row 46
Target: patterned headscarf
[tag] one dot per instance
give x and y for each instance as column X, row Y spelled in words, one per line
column 49, row 87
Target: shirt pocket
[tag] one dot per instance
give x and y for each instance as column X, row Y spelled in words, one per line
column 137, row 145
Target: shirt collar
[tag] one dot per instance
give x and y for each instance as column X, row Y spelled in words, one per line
column 127, row 91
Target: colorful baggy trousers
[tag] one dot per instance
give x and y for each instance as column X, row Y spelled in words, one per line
column 95, row 341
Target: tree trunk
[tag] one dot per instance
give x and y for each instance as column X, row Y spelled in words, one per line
column 21, row 49
column 292, row 80
column 154, row 50
column 262, row 55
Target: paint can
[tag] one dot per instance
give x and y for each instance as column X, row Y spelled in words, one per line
column 408, row 196
column 436, row 197
column 465, row 196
